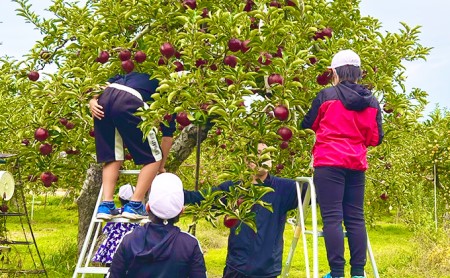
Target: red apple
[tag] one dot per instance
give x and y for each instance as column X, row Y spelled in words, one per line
column 177, row 55
column 167, row 50
column 140, row 56
column 384, row 196
column 285, row 133
column 205, row 12
column 190, row 3
column 4, row 208
column 167, row 117
column 324, row 78
column 244, row 46
column 45, row 149
column 253, row 23
column 324, row 33
column 223, row 146
column 124, row 55
column 281, row 112
column 128, row 156
column 70, row 125
column 128, row 66
column 313, row 60
column 279, row 52
column 284, row 145
column 178, row 66
column 275, row 79
column 290, row 3
column 182, row 119
column 218, row 131
column 234, row 45
column 25, row 142
column 47, row 178
column 161, row 61
column 55, row 178
column 33, row 75
column 32, row 178
column 213, row 67
column 41, row 134
column 63, row 121
column 230, row 60
column 230, row 222
column 200, row 63
column 229, row 81
column 265, row 59
column 248, row 6
column 103, row 57
column 92, row 132
column 280, row 166
column 275, row 4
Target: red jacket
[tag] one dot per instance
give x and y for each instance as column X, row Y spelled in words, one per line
column 346, row 119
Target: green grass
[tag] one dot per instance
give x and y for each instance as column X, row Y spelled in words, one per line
column 398, row 251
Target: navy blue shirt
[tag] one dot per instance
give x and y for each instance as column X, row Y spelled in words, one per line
column 158, row 251
column 259, row 254
column 146, row 86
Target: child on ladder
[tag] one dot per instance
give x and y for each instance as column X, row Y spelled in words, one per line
column 116, row 124
column 115, row 231
column 346, row 118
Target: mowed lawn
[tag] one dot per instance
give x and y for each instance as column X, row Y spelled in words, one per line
column 398, row 251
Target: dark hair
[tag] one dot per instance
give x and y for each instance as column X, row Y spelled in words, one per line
column 348, row 73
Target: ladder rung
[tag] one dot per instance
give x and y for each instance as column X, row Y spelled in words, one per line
column 130, row 172
column 93, row 270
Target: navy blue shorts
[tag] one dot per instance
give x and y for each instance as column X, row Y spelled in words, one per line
column 120, row 126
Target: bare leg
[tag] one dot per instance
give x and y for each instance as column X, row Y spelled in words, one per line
column 109, row 179
column 145, row 179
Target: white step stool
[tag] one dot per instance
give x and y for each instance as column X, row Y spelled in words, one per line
column 83, row 265
column 300, row 228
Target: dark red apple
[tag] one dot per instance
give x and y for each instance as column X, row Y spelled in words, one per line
column 124, row 55
column 265, row 59
column 200, row 63
column 253, row 23
column 234, row 45
column 41, row 134
column 312, row 60
column 177, row 55
column 128, row 156
column 248, row 6
column 230, row 222
column 190, row 3
column 230, row 60
column 285, row 133
column 167, row 50
column 33, row 75
column 140, row 56
column 244, row 46
column 167, row 117
column 324, row 33
column 324, row 78
column 205, row 12
column 279, row 52
column 45, row 149
column 279, row 166
column 290, row 3
column 218, row 131
column 223, row 146
column 387, row 108
column 4, row 208
column 384, row 196
column 47, row 178
column 213, row 67
column 103, row 57
column 55, row 178
column 284, row 145
column 25, row 142
column 128, row 66
column 63, row 121
column 281, row 112
column 229, row 81
column 92, row 132
column 275, row 4
column 275, row 79
column 161, row 61
column 32, row 178
column 70, row 125
column 178, row 66
column 182, row 119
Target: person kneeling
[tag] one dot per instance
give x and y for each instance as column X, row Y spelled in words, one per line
column 159, row 248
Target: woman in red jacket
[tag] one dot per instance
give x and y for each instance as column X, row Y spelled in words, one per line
column 346, row 118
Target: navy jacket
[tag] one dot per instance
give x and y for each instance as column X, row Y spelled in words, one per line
column 346, row 119
column 146, row 86
column 259, row 254
column 158, row 251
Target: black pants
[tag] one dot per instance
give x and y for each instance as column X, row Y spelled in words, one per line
column 340, row 194
column 228, row 272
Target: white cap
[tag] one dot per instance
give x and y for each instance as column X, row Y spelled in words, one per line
column 126, row 191
column 345, row 57
column 166, row 197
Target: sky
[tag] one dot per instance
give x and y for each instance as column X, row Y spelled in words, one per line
column 17, row 37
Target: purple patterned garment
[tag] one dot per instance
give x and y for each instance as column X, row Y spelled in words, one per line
column 115, row 233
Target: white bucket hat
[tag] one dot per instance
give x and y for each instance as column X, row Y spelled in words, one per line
column 345, row 57
column 166, row 199
column 126, row 191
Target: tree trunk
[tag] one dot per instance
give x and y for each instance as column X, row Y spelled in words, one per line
column 182, row 147
column 87, row 200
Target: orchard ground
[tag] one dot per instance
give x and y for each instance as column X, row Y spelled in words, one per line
column 399, row 252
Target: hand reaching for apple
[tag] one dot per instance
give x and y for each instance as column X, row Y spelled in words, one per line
column 96, row 109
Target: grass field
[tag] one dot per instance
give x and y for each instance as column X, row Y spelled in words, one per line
column 398, row 251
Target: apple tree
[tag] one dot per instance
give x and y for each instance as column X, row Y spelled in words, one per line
column 235, row 72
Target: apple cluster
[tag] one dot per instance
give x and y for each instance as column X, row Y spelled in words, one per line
column 125, row 58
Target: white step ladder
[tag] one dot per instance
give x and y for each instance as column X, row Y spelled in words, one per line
column 300, row 229
column 83, row 265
